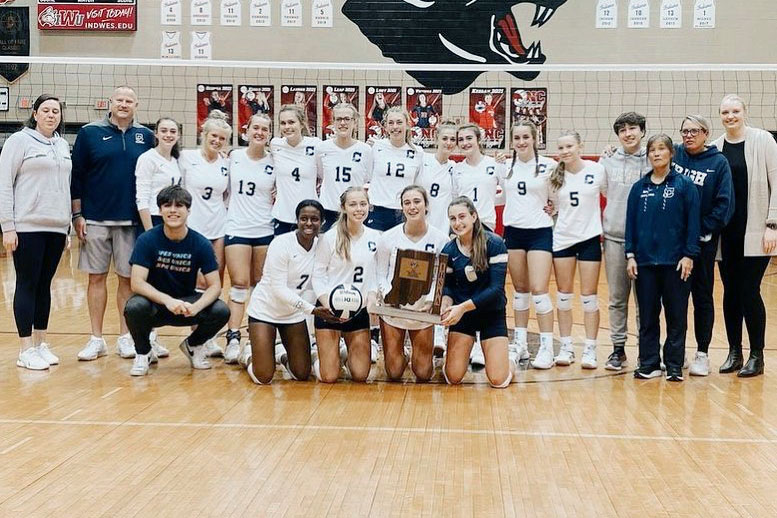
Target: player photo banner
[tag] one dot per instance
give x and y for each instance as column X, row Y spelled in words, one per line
column 531, row 104
column 377, row 100
column 487, row 110
column 87, row 15
column 334, row 95
column 252, row 100
column 305, row 98
column 210, row 98
column 425, row 108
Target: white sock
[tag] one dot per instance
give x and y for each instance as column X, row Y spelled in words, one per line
column 590, row 343
column 566, row 341
column 546, row 340
column 97, row 338
column 521, row 335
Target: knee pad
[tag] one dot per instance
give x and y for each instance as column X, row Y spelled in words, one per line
column 238, row 295
column 505, row 383
column 520, row 301
column 543, row 304
column 250, row 370
column 445, row 376
column 590, row 303
column 564, row 301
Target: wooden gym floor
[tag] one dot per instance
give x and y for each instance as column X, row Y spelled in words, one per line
column 87, row 440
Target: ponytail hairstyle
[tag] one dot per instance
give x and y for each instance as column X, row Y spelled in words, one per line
column 343, row 241
column 479, row 257
column 409, row 131
column 265, row 117
column 354, row 115
column 216, row 121
column 32, row 123
column 301, row 116
column 476, row 130
column 175, row 152
column 557, row 176
column 525, row 123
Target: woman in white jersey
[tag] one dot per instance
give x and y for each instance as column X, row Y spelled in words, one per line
column 346, row 255
column 575, row 188
column 294, row 154
column 283, row 299
column 414, row 234
column 395, row 164
column 529, row 239
column 156, row 169
column 437, row 176
column 249, row 222
column 342, row 162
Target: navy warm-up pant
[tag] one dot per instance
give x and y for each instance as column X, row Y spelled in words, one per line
column 702, row 283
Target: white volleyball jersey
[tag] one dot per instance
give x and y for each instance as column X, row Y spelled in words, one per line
column 527, row 191
column 342, row 168
column 479, row 183
column 437, row 179
column 331, row 269
column 206, row 182
column 201, row 47
column 260, row 13
column 171, row 12
column 231, row 13
column 201, row 11
column 171, row 45
column 393, row 169
column 285, row 293
column 250, row 195
column 295, row 175
column 153, row 172
column 395, row 239
column 579, row 209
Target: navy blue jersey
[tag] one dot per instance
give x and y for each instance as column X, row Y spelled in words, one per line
column 487, row 290
column 422, row 114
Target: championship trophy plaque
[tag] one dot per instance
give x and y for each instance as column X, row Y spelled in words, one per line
column 416, row 287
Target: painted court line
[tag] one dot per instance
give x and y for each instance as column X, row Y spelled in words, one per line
column 12, row 448
column 71, row 414
column 744, row 409
column 112, row 392
column 390, row 429
column 717, row 388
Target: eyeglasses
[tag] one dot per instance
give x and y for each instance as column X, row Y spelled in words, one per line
column 693, row 132
column 343, row 119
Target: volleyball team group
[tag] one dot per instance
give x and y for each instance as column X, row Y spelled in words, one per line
column 292, row 217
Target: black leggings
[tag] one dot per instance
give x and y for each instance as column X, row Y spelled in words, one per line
column 35, row 261
column 742, row 294
column 702, row 285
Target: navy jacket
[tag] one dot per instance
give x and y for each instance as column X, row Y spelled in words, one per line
column 662, row 221
column 710, row 172
column 487, row 291
column 103, row 178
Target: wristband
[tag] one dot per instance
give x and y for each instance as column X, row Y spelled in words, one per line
column 75, row 215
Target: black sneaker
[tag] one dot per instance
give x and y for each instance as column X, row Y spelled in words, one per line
column 616, row 361
column 674, row 374
column 646, row 374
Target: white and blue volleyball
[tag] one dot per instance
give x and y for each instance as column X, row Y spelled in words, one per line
column 345, row 300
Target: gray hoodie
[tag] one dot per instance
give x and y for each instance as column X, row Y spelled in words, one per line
column 623, row 170
column 35, row 183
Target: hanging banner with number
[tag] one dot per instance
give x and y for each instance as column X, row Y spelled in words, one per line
column 704, row 14
column 170, row 12
column 231, row 15
column 260, row 13
column 201, row 12
column 607, row 14
column 305, row 98
column 334, row 95
column 487, row 110
column 671, row 14
column 531, row 104
column 210, row 98
column 377, row 100
column 253, row 99
column 321, row 13
column 291, row 13
column 639, row 14
column 425, row 107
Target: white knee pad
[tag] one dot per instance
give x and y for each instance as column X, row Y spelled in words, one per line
column 543, row 304
column 564, row 301
column 520, row 301
column 590, row 303
column 505, row 383
column 250, row 370
column 445, row 376
column 238, row 295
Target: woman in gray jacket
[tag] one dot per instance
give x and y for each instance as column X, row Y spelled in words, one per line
column 35, row 218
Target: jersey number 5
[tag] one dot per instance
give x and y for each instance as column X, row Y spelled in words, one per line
column 574, row 199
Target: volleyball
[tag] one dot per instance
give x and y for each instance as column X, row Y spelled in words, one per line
column 345, row 300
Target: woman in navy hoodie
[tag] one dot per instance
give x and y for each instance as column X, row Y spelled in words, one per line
column 710, row 172
column 662, row 240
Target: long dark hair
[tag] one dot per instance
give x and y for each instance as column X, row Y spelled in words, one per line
column 533, row 130
column 175, row 152
column 42, row 98
column 479, row 257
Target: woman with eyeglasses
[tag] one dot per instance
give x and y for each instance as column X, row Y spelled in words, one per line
column 709, row 170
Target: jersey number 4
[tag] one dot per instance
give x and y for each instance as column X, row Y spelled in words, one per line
column 295, row 174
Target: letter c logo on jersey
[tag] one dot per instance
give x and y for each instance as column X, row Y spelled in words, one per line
column 357, row 156
column 589, row 179
column 453, row 31
column 310, row 150
column 268, row 169
column 410, row 153
column 372, row 246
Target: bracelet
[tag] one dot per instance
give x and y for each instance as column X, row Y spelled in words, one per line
column 76, row 215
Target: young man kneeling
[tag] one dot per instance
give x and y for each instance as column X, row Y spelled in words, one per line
column 165, row 263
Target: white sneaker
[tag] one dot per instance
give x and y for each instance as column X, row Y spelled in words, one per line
column 566, row 356
column 440, row 341
column 212, row 349
column 30, row 359
column 94, row 348
column 544, row 359
column 232, row 352
column 374, row 353
column 518, row 352
column 125, row 347
column 588, row 360
column 700, row 366
column 196, row 355
column 344, row 351
column 152, row 357
column 47, row 355
column 244, row 358
column 140, row 365
column 160, row 350
column 476, row 357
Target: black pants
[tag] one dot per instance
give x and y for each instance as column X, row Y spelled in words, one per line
column 702, row 284
column 143, row 315
column 742, row 293
column 35, row 261
column 657, row 285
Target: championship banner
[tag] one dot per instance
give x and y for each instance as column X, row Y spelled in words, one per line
column 305, row 98
column 87, row 15
column 425, row 108
column 531, row 104
column 334, row 95
column 210, row 98
column 378, row 100
column 14, row 40
column 253, row 100
column 487, row 110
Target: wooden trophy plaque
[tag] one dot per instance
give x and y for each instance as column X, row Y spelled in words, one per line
column 416, row 286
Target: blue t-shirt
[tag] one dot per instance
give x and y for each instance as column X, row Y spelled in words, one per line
column 487, row 290
column 173, row 265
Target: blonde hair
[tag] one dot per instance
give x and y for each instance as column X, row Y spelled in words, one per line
column 701, row 120
column 216, row 121
column 406, row 117
column 475, row 129
column 557, row 176
column 301, row 116
column 479, row 256
column 523, row 123
column 734, row 98
column 343, row 241
column 354, row 114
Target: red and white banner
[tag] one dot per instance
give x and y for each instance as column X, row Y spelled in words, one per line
column 85, row 15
